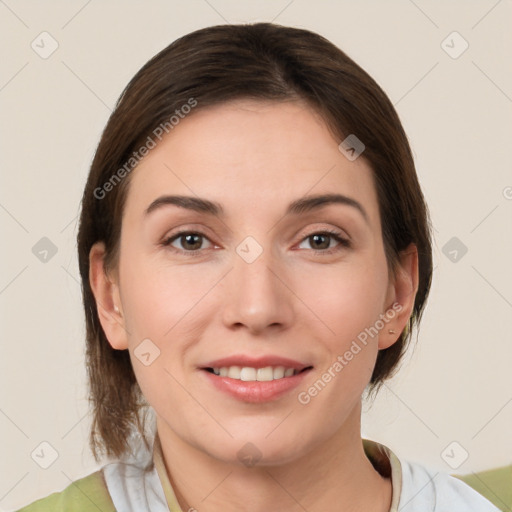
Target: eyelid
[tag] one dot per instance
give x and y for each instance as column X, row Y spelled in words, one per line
column 325, row 227
column 201, row 229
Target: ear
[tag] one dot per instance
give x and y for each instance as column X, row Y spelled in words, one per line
column 401, row 295
column 108, row 301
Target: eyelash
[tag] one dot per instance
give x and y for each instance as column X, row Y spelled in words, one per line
column 343, row 242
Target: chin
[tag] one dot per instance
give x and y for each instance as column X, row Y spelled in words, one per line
column 255, row 447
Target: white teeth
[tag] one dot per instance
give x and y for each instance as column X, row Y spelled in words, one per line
column 234, row 372
column 279, row 372
column 265, row 374
column 246, row 373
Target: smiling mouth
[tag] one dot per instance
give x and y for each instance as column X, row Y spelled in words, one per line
column 249, row 374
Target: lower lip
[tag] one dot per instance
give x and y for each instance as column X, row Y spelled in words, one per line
column 255, row 391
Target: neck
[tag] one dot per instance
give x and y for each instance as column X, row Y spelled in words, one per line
column 335, row 472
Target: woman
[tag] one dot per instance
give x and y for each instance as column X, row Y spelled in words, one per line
column 254, row 249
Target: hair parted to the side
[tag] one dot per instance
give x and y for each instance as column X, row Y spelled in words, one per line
column 215, row 65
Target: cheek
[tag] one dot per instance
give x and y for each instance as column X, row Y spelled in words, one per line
column 346, row 302
column 156, row 297
column 345, row 298
column 165, row 305
column 156, row 315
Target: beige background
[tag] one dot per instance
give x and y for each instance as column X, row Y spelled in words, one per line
column 456, row 386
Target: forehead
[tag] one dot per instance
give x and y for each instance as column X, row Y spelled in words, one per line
column 247, row 152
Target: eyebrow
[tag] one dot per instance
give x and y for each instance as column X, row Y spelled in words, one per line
column 300, row 206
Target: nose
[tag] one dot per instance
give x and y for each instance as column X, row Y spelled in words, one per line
column 256, row 294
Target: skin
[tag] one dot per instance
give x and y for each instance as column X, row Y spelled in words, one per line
column 294, row 301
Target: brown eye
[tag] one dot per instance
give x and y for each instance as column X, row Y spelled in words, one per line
column 189, row 241
column 321, row 241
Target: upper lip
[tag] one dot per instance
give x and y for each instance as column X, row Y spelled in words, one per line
column 256, row 362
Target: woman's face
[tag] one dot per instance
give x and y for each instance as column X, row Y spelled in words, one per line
column 258, row 281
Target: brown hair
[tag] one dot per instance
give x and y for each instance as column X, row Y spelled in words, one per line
column 214, row 65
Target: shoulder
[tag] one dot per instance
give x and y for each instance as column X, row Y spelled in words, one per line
column 425, row 488
column 86, row 494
